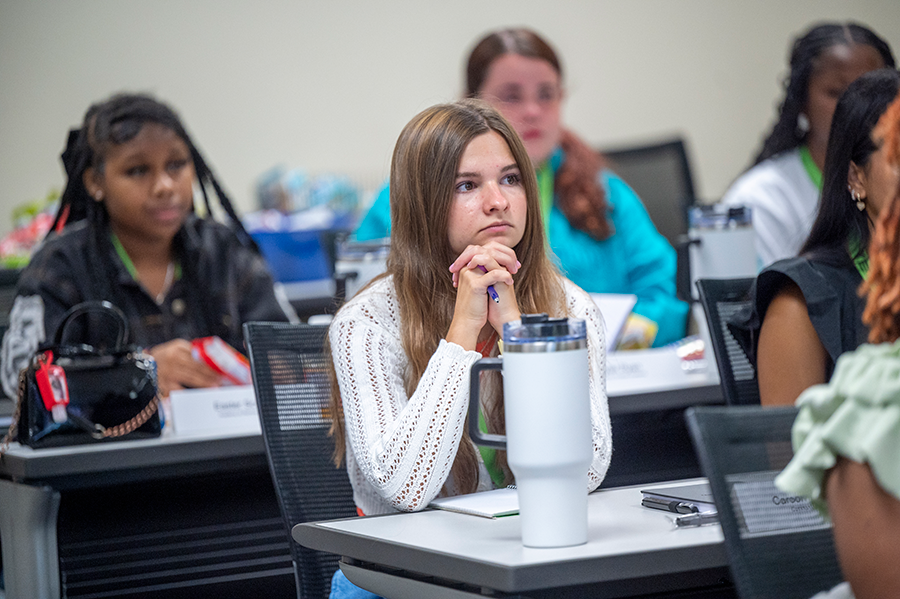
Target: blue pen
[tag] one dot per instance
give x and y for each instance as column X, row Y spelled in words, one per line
column 491, row 291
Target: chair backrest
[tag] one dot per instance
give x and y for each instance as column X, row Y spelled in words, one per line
column 290, row 378
column 660, row 174
column 777, row 544
column 721, row 299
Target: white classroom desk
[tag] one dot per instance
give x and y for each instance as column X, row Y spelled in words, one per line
column 30, row 480
column 653, row 379
column 657, row 379
column 33, row 478
column 631, row 550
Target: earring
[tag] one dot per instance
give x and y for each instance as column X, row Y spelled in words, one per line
column 859, row 199
column 802, row 123
column 98, row 195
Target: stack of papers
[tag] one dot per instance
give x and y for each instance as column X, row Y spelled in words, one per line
column 489, row 504
column 615, row 308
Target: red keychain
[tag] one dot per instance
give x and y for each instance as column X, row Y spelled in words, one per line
column 51, row 382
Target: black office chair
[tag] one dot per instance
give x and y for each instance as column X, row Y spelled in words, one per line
column 292, row 390
column 721, row 299
column 777, row 546
column 660, row 173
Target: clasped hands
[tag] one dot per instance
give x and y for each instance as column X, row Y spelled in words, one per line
column 474, row 308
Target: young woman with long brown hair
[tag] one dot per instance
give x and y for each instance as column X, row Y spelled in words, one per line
column 466, row 215
column 465, row 206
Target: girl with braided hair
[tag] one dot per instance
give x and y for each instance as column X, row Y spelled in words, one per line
column 784, row 183
column 126, row 232
column 599, row 232
column 847, row 434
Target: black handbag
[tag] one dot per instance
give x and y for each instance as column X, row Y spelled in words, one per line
column 74, row 393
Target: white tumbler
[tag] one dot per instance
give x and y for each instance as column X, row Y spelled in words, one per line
column 548, row 425
column 722, row 243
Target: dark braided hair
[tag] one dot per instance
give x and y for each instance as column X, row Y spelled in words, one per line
column 786, row 135
column 113, row 122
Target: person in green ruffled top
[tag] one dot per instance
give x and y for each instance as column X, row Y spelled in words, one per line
column 598, row 231
column 806, row 310
column 847, row 435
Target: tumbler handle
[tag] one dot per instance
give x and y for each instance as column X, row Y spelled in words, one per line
column 486, row 439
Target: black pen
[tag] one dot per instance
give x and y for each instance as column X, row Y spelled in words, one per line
column 671, row 505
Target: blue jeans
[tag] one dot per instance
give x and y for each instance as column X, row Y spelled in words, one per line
column 341, row 588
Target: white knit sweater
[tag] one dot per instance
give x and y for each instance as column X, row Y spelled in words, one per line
column 400, row 448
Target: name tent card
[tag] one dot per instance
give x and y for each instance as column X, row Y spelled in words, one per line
column 218, row 409
column 767, row 509
column 656, row 369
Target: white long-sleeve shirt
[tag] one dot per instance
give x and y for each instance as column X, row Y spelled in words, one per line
column 784, row 202
column 400, row 448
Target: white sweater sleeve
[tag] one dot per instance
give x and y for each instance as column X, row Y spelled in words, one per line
column 582, row 306
column 404, row 445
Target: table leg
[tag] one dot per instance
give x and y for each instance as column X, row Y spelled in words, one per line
column 28, row 517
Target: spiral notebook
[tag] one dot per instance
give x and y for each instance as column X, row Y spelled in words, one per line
column 488, row 504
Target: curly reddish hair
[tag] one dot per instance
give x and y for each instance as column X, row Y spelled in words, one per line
column 883, row 282
column 580, row 195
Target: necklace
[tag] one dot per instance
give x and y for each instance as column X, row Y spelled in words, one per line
column 167, row 284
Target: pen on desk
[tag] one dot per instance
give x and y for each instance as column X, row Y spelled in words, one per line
column 672, row 505
column 491, row 291
column 697, row 519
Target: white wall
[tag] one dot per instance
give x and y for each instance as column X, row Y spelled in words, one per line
column 327, row 86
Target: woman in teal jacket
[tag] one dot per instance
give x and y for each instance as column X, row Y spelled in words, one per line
column 598, row 229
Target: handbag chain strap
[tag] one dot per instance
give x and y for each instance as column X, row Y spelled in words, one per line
column 14, row 425
column 98, row 432
column 137, row 421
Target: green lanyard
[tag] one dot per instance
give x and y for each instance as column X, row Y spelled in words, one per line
column 489, row 456
column 545, row 191
column 126, row 259
column 812, row 169
column 861, row 259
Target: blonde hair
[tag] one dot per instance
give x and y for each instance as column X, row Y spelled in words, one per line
column 423, row 175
